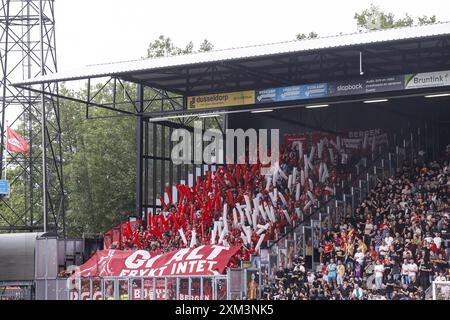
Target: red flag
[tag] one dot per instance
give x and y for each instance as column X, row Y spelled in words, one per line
column 149, row 219
column 192, row 213
column 230, row 177
column 230, row 199
column 15, row 142
column 169, row 194
column 181, row 192
column 163, row 203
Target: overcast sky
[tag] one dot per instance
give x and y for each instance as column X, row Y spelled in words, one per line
column 97, row 31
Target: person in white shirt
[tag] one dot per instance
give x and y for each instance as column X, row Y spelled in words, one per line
column 404, row 272
column 311, row 277
column 428, row 238
column 383, row 249
column 412, row 270
column 437, row 240
column 359, row 257
column 379, row 271
column 388, row 239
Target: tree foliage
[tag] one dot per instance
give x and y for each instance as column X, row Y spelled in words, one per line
column 374, row 18
column 303, row 36
column 164, row 47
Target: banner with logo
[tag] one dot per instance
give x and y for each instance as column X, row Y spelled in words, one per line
column 203, row 260
column 427, row 80
column 300, row 92
column 218, row 100
column 363, row 86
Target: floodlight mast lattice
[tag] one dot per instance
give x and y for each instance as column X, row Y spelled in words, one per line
column 27, row 50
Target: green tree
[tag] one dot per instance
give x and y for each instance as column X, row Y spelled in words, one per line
column 303, row 36
column 374, row 18
column 99, row 156
column 164, row 47
column 206, row 46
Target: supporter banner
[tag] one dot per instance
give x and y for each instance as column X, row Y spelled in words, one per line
column 218, row 100
column 203, row 260
column 427, row 80
column 289, row 139
column 350, row 139
column 355, row 139
column 113, row 238
column 301, row 92
column 361, row 133
column 317, row 136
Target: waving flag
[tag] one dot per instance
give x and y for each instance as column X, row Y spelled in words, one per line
column 15, row 142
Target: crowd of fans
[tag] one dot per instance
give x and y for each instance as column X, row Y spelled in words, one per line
column 392, row 247
column 241, row 205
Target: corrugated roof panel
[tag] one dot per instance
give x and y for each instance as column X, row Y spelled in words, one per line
column 143, row 65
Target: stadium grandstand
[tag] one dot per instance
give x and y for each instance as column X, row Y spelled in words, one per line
column 346, row 200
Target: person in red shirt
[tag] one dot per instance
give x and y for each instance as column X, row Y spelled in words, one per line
column 328, row 251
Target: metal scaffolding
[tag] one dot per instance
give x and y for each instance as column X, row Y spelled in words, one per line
column 27, row 47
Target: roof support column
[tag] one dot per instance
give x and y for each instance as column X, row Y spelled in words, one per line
column 139, row 150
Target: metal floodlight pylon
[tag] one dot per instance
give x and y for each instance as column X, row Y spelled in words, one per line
column 27, row 50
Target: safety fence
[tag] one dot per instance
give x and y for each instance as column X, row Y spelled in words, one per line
column 134, row 288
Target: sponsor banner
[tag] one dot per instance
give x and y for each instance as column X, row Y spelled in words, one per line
column 301, row 92
column 427, row 80
column 321, row 90
column 218, row 100
column 203, row 260
column 371, row 85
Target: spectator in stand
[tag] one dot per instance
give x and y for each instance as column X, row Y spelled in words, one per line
column 399, row 233
column 379, row 274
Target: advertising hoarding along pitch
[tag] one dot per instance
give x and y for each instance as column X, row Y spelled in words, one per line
column 218, row 100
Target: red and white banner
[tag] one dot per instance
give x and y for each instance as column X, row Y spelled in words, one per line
column 15, row 142
column 289, row 139
column 203, row 260
column 113, row 239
